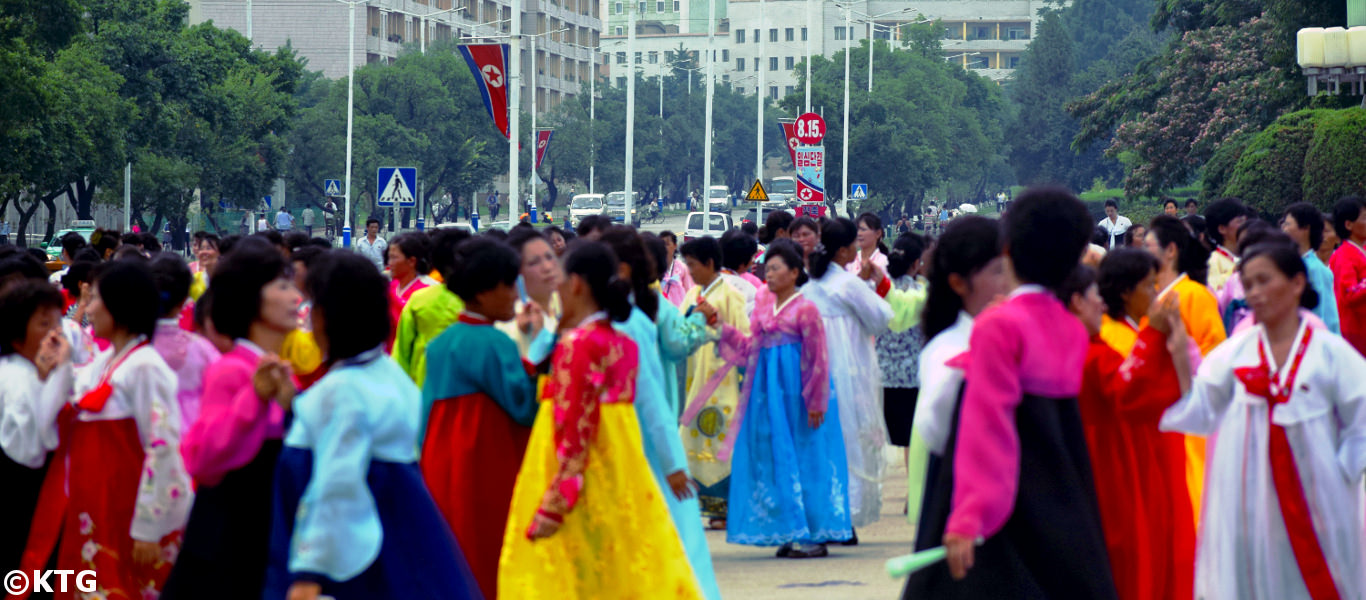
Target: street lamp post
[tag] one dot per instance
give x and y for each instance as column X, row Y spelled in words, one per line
column 711, row 94
column 844, row 176
column 422, row 38
column 810, row 33
column 514, row 80
column 630, row 112
column 350, row 112
column 759, row 115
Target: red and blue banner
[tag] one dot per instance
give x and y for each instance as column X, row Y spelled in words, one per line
column 542, row 143
column 489, row 64
column 790, row 137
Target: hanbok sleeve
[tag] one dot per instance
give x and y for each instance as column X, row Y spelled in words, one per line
column 405, row 338
column 1201, row 313
column 164, row 492
column 28, row 430
column 1147, row 381
column 540, row 346
column 1349, row 287
column 815, row 361
column 907, row 307
column 679, row 337
column 1349, row 374
column 872, row 312
column 337, row 532
column 231, row 427
column 658, row 426
column 509, row 383
column 1212, row 389
column 987, row 460
column 1322, row 280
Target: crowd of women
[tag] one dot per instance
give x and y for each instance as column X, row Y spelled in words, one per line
column 546, row 413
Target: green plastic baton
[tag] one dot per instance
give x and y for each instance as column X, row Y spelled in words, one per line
column 902, row 566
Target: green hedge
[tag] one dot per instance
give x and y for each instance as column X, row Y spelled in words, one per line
column 1335, row 164
column 1270, row 173
column 1318, row 155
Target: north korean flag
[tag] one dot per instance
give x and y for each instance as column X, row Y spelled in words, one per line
column 489, row 63
column 790, row 136
column 542, row 143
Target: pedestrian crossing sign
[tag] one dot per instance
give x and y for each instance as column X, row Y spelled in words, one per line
column 858, row 191
column 395, row 185
column 757, row 193
column 332, row 187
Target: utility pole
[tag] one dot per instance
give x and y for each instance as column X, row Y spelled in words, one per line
column 711, row 94
column 759, row 115
column 630, row 111
column 515, row 106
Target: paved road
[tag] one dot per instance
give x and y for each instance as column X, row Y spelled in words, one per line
column 849, row 573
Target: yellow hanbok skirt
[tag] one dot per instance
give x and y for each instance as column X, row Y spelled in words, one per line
column 618, row 542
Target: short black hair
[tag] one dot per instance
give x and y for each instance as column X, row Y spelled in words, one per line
column 105, row 241
column 18, row 302
column 353, row 299
column 776, row 220
column 71, row 242
column 520, row 235
column 1046, row 231
column 705, row 250
column 237, row 282
column 668, row 235
column 371, row 220
column 1191, row 202
column 415, row 245
column 1346, row 210
column 906, row 251
column 444, row 243
column 150, row 242
column 1120, row 272
column 659, row 252
column 1168, row 200
column 1078, row 281
column 173, row 280
column 37, row 254
column 496, row 234
column 749, row 228
column 1257, row 231
column 306, row 255
column 1112, row 203
column 271, row 236
column 295, row 239
column 592, row 223
column 1220, row 213
column 80, row 271
column 21, row 265
column 320, row 242
column 737, row 248
column 1191, row 256
column 228, row 242
column 790, row 253
column 806, row 222
column 130, row 295
column 481, row 264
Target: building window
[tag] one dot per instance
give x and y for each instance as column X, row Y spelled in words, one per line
column 756, row 36
column 676, row 9
column 789, row 63
column 620, row 30
column 773, row 35
column 788, row 90
column 739, row 36
column 756, row 64
column 773, row 92
column 981, row 33
column 659, row 6
column 621, row 58
column 637, row 58
column 840, row 32
column 621, row 82
column 1014, row 62
column 725, row 56
column 803, row 34
column 654, row 57
column 620, row 10
column 788, row 34
column 739, row 64
column 773, row 63
column 640, row 8
column 1017, row 33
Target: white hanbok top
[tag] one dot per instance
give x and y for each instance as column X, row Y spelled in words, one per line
column 1244, row 550
column 28, row 408
column 940, row 384
column 853, row 316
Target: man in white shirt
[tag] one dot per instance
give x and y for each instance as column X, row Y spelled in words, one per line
column 284, row 221
column 1114, row 224
column 308, row 220
column 372, row 246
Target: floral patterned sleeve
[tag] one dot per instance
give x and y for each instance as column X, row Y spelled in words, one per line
column 164, row 495
column 815, row 362
column 595, row 365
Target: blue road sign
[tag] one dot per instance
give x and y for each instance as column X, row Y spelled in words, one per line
column 858, row 191
column 332, row 187
column 268, row 200
column 396, row 185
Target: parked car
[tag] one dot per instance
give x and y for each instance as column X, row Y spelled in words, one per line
column 752, row 215
column 462, row 226
column 54, row 246
column 717, row 225
column 616, row 207
column 718, row 197
column 584, row 205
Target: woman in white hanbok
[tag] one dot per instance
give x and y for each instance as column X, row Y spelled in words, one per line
column 853, row 316
column 1283, row 499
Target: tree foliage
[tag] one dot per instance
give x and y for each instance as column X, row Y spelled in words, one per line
column 1315, row 155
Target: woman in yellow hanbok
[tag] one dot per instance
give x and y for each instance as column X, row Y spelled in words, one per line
column 587, row 518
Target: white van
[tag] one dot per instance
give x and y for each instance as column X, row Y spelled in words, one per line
column 717, row 225
column 718, row 197
column 584, row 205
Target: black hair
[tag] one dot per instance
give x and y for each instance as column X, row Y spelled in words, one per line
column 1256, row 231
column 626, row 244
column 593, row 223
column 659, row 252
column 1346, row 210
column 130, row 295
column 737, row 248
column 1196, row 225
column 479, row 265
column 444, row 243
column 967, row 245
column 1192, row 202
column 668, row 235
column 173, row 280
column 839, row 233
column 237, row 283
column 1131, row 234
column 597, row 265
column 554, row 229
column 750, row 229
column 1169, row 200
column 1287, row 259
column 271, row 236
column 806, row 222
column 1191, row 257
column 105, row 241
column 1222, row 212
column 496, row 234
column 906, row 251
column 209, row 238
column 1045, row 233
column 295, row 239
column 149, row 242
column 1121, row 272
column 519, row 236
column 198, row 236
column 369, row 221
column 353, row 301
column 319, row 242
column 778, row 220
column 306, row 255
column 37, row 253
column 80, row 271
column 873, row 222
column 1100, row 237
column 1078, row 281
column 131, row 238
column 415, row 245
column 18, row 302
column 1109, row 203
column 791, row 255
column 21, row 265
column 71, row 242
column 202, row 314
column 703, row 250
column 227, row 244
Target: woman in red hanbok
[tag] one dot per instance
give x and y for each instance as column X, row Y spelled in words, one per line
column 117, row 495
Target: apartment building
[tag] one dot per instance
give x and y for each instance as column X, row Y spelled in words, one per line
column 559, row 35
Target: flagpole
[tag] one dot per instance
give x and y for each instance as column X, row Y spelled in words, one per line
column 535, row 140
column 515, row 108
column 630, row 112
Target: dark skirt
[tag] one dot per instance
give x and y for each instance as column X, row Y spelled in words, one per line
column 1052, row 546
column 227, row 538
column 898, row 408
column 418, row 557
column 22, row 486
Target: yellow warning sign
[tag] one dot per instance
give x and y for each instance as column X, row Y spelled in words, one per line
column 757, row 193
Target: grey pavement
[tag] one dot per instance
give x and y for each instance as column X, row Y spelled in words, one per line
column 849, row 573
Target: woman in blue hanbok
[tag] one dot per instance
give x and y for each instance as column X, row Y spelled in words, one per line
column 353, row 519
column 789, row 479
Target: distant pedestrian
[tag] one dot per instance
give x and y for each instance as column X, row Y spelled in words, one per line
column 308, row 220
column 330, row 218
column 261, row 223
column 372, row 246
column 283, row 220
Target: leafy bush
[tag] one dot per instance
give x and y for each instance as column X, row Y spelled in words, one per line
column 1335, row 164
column 1270, row 172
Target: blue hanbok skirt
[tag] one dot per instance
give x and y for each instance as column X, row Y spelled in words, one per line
column 418, row 558
column 789, row 483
